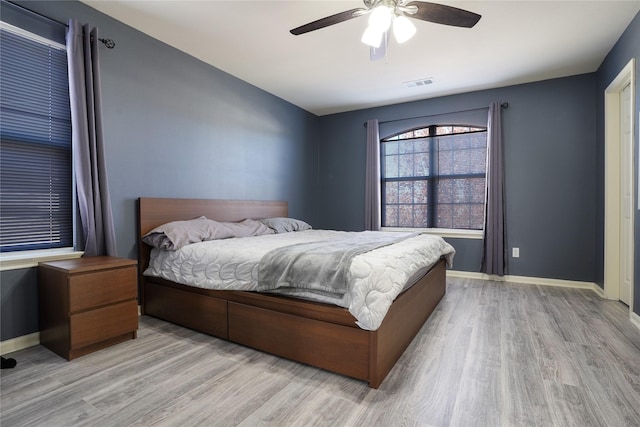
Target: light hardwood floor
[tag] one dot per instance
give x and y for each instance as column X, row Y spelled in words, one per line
column 492, row 354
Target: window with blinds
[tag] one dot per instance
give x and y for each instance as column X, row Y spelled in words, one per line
column 36, row 202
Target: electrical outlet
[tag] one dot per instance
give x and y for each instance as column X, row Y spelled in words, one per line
column 515, row 252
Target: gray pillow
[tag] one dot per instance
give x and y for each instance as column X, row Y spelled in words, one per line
column 285, row 225
column 176, row 234
column 248, row 228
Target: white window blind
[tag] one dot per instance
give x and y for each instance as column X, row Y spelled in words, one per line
column 36, row 203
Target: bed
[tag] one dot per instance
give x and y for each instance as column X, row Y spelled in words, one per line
column 310, row 332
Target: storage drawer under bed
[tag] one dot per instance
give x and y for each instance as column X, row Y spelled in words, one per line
column 201, row 313
column 338, row 348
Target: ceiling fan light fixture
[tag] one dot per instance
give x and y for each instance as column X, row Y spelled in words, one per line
column 372, row 37
column 380, row 18
column 403, row 29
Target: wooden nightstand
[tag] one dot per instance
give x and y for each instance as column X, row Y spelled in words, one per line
column 87, row 304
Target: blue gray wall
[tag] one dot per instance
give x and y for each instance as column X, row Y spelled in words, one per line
column 19, row 303
column 554, row 136
column 177, row 127
column 627, row 47
column 550, row 153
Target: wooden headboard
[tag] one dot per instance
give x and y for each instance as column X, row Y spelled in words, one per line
column 153, row 212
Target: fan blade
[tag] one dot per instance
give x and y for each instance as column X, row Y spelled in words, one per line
column 442, row 14
column 377, row 53
column 329, row 20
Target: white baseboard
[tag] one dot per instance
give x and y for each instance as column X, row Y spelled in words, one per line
column 528, row 280
column 19, row 343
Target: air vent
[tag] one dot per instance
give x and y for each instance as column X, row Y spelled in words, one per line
column 419, row 83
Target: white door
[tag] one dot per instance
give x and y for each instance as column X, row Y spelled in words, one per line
column 626, row 193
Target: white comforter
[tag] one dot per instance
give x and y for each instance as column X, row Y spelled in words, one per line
column 375, row 278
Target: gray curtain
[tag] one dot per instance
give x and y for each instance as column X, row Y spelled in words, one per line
column 494, row 253
column 87, row 139
column 372, row 184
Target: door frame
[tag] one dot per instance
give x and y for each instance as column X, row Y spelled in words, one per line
column 612, row 180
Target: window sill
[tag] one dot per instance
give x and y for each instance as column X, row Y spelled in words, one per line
column 442, row 232
column 29, row 259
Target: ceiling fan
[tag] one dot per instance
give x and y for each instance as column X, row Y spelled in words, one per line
column 385, row 14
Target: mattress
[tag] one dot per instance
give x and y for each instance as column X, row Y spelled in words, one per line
column 375, row 278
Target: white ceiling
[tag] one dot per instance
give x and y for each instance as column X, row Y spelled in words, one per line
column 329, row 71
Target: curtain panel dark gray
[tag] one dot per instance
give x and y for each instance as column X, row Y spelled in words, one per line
column 94, row 203
column 372, row 179
column 494, row 250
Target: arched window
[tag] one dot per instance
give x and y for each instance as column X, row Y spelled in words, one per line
column 434, row 177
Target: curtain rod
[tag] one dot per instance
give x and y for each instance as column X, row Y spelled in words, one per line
column 109, row 43
column 503, row 105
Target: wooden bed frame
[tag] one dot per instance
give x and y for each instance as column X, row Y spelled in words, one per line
column 317, row 334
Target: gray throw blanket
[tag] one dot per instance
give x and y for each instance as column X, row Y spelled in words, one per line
column 320, row 265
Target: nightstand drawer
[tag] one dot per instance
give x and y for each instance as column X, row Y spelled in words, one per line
column 107, row 322
column 90, row 290
column 87, row 304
